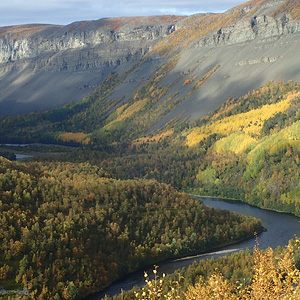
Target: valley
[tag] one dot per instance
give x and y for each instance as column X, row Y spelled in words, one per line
column 281, row 228
column 122, row 120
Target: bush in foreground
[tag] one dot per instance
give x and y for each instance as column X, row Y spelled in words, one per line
column 276, row 276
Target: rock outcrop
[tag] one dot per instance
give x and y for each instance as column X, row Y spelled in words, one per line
column 95, row 43
column 45, row 66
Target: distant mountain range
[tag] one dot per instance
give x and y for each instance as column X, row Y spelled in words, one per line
column 45, row 66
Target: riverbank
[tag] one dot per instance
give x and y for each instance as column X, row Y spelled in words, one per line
column 281, row 227
column 233, row 200
column 28, row 151
column 139, row 274
column 5, row 292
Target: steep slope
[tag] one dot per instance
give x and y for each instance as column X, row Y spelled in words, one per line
column 248, row 149
column 65, row 224
column 189, row 73
column 252, row 148
column 252, row 44
column 44, row 66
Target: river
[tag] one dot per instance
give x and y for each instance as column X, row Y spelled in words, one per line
column 281, row 227
column 30, row 153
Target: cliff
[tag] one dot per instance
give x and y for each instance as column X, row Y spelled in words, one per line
column 96, row 41
column 45, row 66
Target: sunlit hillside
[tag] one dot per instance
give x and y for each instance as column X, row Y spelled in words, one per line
column 120, row 124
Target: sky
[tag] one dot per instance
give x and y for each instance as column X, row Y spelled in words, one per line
column 62, row 12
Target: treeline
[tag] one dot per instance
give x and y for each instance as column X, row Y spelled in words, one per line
column 46, row 127
column 261, row 169
column 235, row 267
column 101, row 119
column 258, row 165
column 267, row 274
column 67, row 231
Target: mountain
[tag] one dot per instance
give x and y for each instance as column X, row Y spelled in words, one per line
column 205, row 110
column 207, row 104
column 45, row 66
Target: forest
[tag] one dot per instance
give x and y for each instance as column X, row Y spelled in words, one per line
column 80, row 217
column 70, row 229
column 109, row 183
column 247, row 149
column 261, row 274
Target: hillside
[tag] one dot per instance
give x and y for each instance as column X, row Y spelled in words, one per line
column 153, row 108
column 74, row 59
column 245, row 148
column 69, row 227
column 243, row 275
column 252, row 43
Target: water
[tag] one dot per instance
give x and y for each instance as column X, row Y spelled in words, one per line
column 281, row 227
column 23, row 156
column 31, row 153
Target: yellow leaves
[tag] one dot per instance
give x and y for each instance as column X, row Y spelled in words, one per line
column 275, row 277
column 195, row 27
column 236, row 142
column 199, row 82
column 140, row 109
column 250, row 122
column 189, row 80
column 205, row 77
column 290, row 6
column 153, row 139
column 125, row 113
column 77, row 137
column 154, row 288
column 5, row 270
column 215, row 288
column 195, row 137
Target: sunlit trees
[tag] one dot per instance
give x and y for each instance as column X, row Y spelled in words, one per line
column 67, row 230
column 275, row 276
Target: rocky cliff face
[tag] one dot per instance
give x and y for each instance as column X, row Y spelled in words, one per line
column 44, row 66
column 255, row 23
column 106, row 41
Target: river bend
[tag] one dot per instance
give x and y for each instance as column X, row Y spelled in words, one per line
column 281, row 227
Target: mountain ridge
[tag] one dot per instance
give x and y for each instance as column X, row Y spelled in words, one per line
column 77, row 58
column 253, row 43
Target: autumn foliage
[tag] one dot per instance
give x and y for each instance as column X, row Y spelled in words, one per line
column 276, row 276
column 68, row 229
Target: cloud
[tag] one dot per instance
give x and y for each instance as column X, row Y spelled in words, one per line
column 66, row 11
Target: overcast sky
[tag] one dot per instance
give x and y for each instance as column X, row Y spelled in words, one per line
column 14, row 12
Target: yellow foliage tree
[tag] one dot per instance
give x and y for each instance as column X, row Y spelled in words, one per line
column 275, row 277
column 250, row 122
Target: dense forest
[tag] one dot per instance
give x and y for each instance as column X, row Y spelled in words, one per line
column 247, row 149
column 69, row 229
column 112, row 192
column 78, row 218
